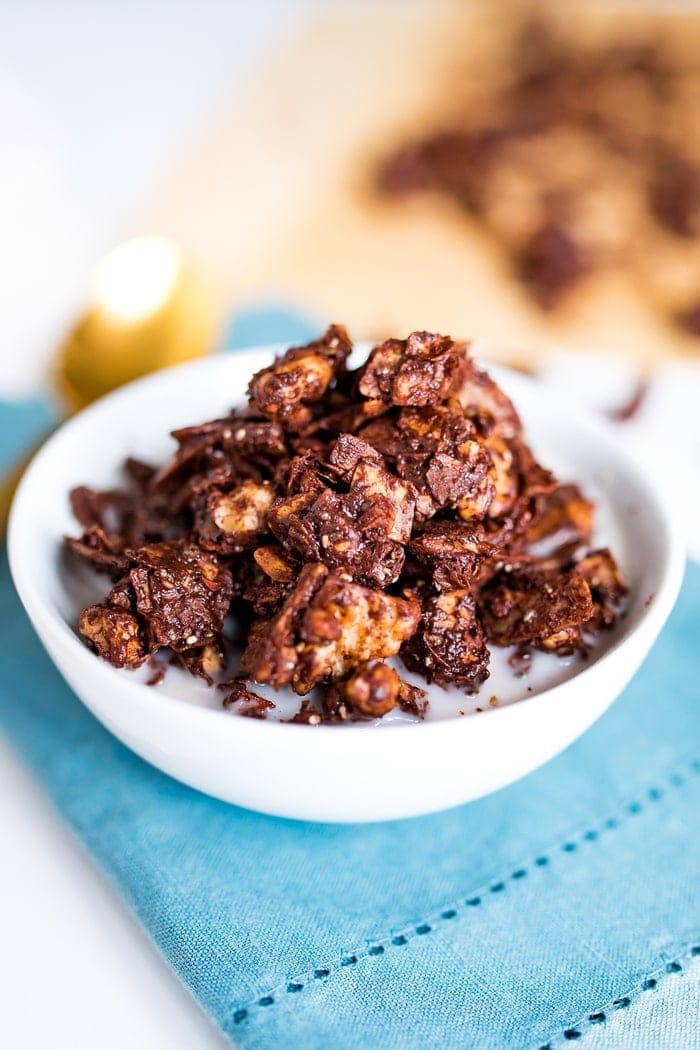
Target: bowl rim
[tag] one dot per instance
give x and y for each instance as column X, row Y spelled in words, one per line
column 48, row 622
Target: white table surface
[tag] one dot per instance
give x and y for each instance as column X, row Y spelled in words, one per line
column 81, row 142
column 76, row 971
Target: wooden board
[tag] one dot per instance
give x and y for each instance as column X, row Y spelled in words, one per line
column 275, row 201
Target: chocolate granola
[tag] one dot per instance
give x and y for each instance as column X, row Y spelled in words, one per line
column 341, row 519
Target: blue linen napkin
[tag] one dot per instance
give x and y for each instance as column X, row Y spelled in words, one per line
column 535, row 917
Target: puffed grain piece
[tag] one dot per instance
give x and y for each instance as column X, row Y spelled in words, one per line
column 362, row 530
column 483, row 400
column 115, row 634
column 535, row 606
column 230, row 522
column 182, row 592
column 449, row 647
column 436, row 449
column 604, row 577
column 326, row 627
column 385, row 502
column 452, row 552
column 299, row 378
column 348, row 451
column 275, row 563
column 371, row 690
column 424, row 369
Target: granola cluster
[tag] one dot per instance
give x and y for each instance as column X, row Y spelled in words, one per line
column 344, row 517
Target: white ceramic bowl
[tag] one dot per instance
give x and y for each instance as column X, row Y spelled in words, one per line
column 331, row 773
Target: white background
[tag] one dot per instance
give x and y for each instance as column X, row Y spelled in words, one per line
column 96, row 100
